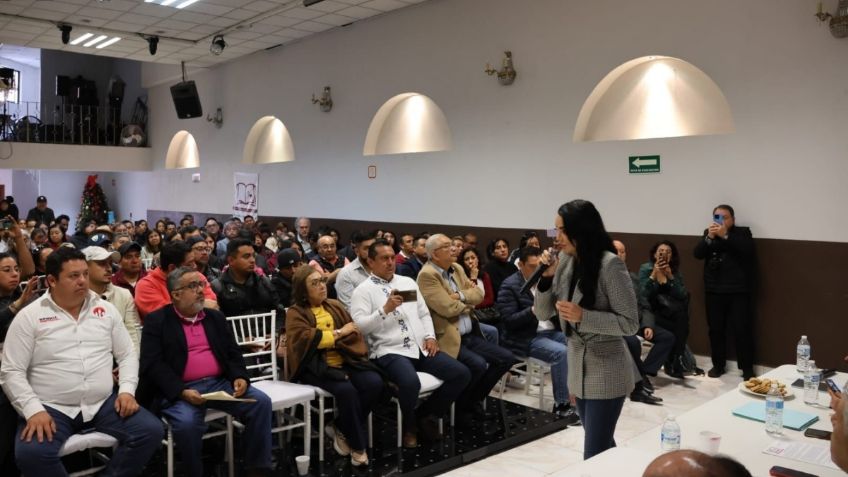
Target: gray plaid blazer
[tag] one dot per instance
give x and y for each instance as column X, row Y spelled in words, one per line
column 599, row 365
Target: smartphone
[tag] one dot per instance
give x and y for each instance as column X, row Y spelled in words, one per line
column 818, row 434
column 408, row 295
column 5, row 224
column 778, row 471
column 833, row 386
column 40, row 284
column 719, row 219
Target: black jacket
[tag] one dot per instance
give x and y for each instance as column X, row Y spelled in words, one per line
column 164, row 353
column 498, row 272
column 410, row 268
column 517, row 318
column 729, row 264
column 41, row 217
column 256, row 295
column 283, row 286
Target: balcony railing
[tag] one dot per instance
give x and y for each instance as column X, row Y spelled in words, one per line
column 68, row 124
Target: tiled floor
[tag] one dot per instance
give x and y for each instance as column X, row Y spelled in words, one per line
column 553, row 453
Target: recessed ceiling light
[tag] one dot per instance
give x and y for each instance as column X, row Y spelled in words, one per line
column 185, row 4
column 82, row 38
column 94, row 41
column 108, row 42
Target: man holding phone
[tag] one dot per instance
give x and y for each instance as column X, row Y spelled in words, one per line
column 729, row 264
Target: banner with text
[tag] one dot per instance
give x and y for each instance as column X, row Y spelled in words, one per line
column 246, row 194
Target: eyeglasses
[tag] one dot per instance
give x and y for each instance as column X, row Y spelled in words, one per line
column 315, row 283
column 194, row 286
column 447, row 245
column 201, row 249
column 10, row 269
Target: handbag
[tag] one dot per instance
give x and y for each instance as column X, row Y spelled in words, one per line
column 490, row 315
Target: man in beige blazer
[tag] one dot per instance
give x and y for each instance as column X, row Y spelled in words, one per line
column 451, row 297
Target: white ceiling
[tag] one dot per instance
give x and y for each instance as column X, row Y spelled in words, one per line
column 185, row 35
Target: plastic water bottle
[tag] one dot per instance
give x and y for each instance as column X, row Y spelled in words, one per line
column 670, row 435
column 774, row 410
column 802, row 354
column 811, row 383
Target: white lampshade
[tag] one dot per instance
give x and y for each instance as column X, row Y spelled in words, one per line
column 268, row 142
column 653, row 97
column 182, row 152
column 408, row 123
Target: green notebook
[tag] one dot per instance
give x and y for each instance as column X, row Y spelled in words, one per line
column 795, row 420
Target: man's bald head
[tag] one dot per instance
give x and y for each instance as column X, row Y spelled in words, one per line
column 691, row 463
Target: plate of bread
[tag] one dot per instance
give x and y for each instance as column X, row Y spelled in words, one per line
column 760, row 387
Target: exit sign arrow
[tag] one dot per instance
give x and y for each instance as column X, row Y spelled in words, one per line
column 644, row 164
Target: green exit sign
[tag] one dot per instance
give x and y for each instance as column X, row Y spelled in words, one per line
column 644, row 164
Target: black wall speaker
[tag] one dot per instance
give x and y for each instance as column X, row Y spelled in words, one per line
column 63, row 85
column 186, row 100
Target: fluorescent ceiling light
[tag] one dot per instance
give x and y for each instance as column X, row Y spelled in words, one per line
column 185, row 3
column 82, row 38
column 111, row 41
column 167, row 2
column 96, row 40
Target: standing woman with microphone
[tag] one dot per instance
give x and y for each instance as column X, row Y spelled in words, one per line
column 590, row 290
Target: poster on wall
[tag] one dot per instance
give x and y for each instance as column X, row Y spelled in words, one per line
column 245, row 201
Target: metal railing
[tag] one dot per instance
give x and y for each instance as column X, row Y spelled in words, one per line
column 67, row 124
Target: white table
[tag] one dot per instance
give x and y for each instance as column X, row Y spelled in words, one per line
column 618, row 461
column 744, row 439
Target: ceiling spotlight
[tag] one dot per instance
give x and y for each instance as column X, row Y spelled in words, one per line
column 66, row 33
column 152, row 43
column 218, row 45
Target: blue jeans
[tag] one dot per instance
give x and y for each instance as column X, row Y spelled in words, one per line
column 491, row 333
column 599, row 417
column 188, row 427
column 487, row 363
column 549, row 346
column 138, row 438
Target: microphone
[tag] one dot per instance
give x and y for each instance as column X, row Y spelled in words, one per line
column 534, row 278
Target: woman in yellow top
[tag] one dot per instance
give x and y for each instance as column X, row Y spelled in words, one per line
column 325, row 349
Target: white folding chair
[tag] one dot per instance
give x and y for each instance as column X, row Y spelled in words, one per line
column 533, row 370
column 429, row 384
column 90, row 441
column 256, row 335
column 223, row 426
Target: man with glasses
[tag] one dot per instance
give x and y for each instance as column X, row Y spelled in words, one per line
column 100, row 278
column 328, row 262
column 451, row 296
column 57, row 366
column 188, row 350
column 130, row 269
column 203, row 257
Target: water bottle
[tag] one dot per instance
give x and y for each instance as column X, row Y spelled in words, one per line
column 802, row 354
column 774, row 410
column 811, row 383
column 670, row 435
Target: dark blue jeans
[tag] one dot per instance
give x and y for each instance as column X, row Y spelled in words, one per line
column 138, row 436
column 549, row 346
column 188, row 426
column 599, row 417
column 402, row 371
column 354, row 398
column 487, row 363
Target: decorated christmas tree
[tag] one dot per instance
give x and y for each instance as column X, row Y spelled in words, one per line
column 94, row 205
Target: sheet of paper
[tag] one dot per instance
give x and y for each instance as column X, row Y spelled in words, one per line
column 223, row 396
column 818, row 454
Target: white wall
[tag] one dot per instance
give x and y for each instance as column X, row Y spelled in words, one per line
column 513, row 161
column 30, row 81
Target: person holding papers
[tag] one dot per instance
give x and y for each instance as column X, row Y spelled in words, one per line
column 188, row 351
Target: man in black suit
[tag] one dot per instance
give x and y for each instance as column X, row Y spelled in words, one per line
column 188, row 351
column 729, row 264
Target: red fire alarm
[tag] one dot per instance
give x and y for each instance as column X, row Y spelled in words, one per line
column 372, row 172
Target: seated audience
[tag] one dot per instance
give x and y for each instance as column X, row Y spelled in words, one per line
column 188, row 350
column 231, row 231
column 40, row 258
column 665, row 297
column 412, row 265
column 326, row 349
column 328, row 262
column 8, row 207
column 203, row 258
column 357, row 271
column 151, row 249
column 38, row 238
column 141, row 229
column 405, row 248
column 402, row 340
column 535, row 336
column 288, row 261
column 100, row 277
column 239, row 289
column 301, row 227
column 151, row 292
column 130, row 269
column 470, row 240
column 55, row 236
column 213, row 228
column 450, row 297
column 529, row 239
column 41, row 213
column 498, row 266
column 61, row 385
column 389, row 237
column 486, row 311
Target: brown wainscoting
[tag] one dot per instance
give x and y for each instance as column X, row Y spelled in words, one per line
column 803, row 285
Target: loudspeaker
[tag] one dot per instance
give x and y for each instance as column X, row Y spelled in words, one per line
column 186, row 100
column 63, row 86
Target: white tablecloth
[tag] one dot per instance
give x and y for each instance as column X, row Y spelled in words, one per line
column 744, row 439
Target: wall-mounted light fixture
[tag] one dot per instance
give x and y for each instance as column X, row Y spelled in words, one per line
column 268, row 142
column 507, row 73
column 408, row 123
column 838, row 21
column 218, row 119
column 182, row 152
column 325, row 102
column 218, row 45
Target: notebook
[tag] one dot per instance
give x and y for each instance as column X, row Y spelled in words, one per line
column 792, row 419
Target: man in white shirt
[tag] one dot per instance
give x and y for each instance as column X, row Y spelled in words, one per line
column 356, row 271
column 57, row 372
column 100, row 263
column 401, row 339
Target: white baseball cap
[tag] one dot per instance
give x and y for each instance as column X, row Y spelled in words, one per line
column 94, row 253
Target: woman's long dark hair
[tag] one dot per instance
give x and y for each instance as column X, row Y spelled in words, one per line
column 490, row 249
column 461, row 260
column 675, row 258
column 585, row 228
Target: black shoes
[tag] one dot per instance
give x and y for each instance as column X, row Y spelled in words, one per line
column 715, row 372
column 641, row 395
column 747, row 374
column 647, row 385
column 568, row 413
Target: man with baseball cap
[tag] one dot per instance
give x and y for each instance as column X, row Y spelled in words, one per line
column 100, row 278
column 41, row 214
column 130, row 270
column 288, row 260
